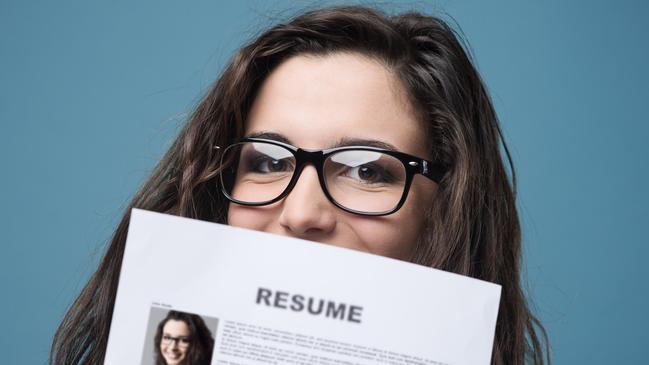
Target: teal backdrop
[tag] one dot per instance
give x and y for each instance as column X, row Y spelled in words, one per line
column 92, row 93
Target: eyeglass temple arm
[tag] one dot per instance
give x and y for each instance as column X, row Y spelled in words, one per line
column 431, row 170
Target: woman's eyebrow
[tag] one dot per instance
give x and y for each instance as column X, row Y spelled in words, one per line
column 171, row 335
column 269, row 135
column 343, row 142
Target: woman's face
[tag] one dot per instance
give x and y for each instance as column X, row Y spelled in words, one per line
column 314, row 102
column 175, row 342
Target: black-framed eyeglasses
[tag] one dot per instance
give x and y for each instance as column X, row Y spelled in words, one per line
column 169, row 340
column 358, row 179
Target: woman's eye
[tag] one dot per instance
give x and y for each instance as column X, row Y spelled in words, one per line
column 369, row 174
column 268, row 165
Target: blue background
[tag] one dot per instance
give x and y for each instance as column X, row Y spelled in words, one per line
column 92, row 94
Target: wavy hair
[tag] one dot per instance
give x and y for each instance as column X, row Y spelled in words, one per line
column 472, row 226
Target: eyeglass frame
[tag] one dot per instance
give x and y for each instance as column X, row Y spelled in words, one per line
column 413, row 165
column 167, row 339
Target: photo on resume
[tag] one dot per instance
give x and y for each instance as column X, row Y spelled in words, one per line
column 174, row 337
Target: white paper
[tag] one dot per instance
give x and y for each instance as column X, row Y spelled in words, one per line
column 409, row 314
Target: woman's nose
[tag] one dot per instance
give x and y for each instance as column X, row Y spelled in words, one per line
column 174, row 344
column 306, row 211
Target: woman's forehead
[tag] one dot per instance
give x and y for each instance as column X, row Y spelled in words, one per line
column 316, row 100
column 176, row 327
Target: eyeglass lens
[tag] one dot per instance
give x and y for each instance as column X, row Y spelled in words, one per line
column 366, row 181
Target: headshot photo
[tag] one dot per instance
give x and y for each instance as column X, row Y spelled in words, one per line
column 178, row 338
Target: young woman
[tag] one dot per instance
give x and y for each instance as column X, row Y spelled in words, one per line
column 348, row 127
column 183, row 339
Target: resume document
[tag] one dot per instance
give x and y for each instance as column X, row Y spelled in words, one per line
column 269, row 299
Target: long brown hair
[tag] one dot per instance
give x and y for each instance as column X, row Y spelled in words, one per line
column 473, row 226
